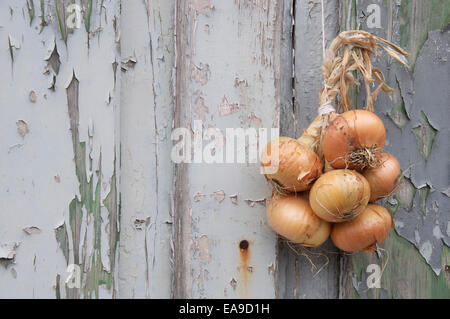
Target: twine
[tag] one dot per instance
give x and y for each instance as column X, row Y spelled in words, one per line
column 351, row 51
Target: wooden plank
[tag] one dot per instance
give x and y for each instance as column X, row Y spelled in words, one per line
column 147, row 50
column 287, row 127
column 227, row 76
column 310, row 272
column 418, row 248
column 58, row 164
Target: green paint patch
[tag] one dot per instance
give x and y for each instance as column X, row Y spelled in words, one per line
column 110, row 203
column 63, row 240
column 409, row 276
column 88, row 14
column 60, row 17
column 58, row 287
column 398, row 114
column 391, row 207
column 30, row 8
column 88, row 206
column 43, row 22
column 423, row 196
column 425, row 134
column 405, row 194
column 416, row 19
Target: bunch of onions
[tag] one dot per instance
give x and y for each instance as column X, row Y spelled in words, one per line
column 291, row 216
column 339, row 195
column 354, row 140
column 383, row 179
column 362, row 233
column 339, row 158
column 290, row 166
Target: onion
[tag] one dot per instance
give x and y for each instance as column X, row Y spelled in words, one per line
column 362, row 233
column 298, row 166
column 383, row 179
column 339, row 195
column 292, row 217
column 354, row 140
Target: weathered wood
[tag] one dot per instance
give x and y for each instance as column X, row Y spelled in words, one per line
column 86, row 116
column 58, row 115
column 310, row 273
column 227, row 76
column 417, row 127
column 147, row 62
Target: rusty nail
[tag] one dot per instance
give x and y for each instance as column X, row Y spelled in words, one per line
column 243, row 245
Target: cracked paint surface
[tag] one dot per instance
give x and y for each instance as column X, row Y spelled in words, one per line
column 147, row 98
column 417, row 131
column 228, row 75
column 180, row 235
column 57, row 175
column 427, row 147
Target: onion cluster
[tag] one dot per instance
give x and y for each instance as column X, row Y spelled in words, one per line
column 326, row 181
column 317, row 197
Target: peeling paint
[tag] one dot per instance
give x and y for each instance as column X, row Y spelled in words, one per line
column 32, row 96
column 398, row 112
column 127, row 63
column 425, row 134
column 234, row 199
column 80, row 202
column 30, row 8
column 32, row 230
column 8, row 251
column 203, row 246
column 416, row 134
column 405, row 193
column 198, row 197
column 63, row 240
column 22, row 128
column 219, row 195
column 139, row 224
column 252, row 202
column 201, row 6
column 201, row 73
column 201, row 110
column 225, row 108
column 53, row 60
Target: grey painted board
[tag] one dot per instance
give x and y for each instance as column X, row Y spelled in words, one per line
column 147, row 63
column 228, row 76
column 58, row 147
column 309, row 272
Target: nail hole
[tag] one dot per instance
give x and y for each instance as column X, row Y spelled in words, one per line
column 243, row 245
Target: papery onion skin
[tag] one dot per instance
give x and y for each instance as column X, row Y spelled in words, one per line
column 383, row 179
column 339, row 195
column 291, row 216
column 362, row 233
column 353, row 130
column 298, row 165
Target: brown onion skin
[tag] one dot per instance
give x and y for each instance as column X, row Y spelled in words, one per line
column 352, row 130
column 383, row 179
column 298, row 165
column 362, row 233
column 339, row 195
column 292, row 217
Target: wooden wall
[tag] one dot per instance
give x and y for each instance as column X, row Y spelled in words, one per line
column 87, row 114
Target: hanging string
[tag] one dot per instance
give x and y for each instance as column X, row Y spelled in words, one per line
column 327, row 106
column 323, row 31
